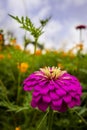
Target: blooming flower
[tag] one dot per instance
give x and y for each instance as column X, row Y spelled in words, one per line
column 9, row 56
column 13, row 41
column 60, row 66
column 23, row 67
column 1, row 56
column 52, row 87
column 18, row 47
column 1, row 37
column 38, row 52
column 80, row 46
column 17, row 128
column 81, row 27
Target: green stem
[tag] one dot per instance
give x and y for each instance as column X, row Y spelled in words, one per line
column 42, row 120
column 19, row 89
column 35, row 46
column 81, row 117
column 50, row 119
column 8, row 101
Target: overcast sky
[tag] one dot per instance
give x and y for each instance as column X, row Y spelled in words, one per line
column 60, row 31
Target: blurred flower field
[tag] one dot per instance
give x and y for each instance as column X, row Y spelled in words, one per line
column 15, row 65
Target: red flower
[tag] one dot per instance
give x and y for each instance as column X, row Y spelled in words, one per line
column 81, row 27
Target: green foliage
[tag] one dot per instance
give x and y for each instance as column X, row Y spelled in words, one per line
column 15, row 109
column 27, row 24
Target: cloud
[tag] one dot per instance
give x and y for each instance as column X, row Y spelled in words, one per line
column 79, row 2
column 33, row 3
column 2, row 12
column 60, row 29
column 53, row 27
column 51, row 34
column 16, row 8
column 41, row 15
column 65, row 4
column 2, row 15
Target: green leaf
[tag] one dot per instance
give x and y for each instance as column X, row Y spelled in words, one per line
column 83, row 110
column 43, row 123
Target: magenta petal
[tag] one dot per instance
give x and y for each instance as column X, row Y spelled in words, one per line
column 66, row 88
column 46, row 99
column 51, row 87
column 67, row 98
column 73, row 94
column 56, row 86
column 57, row 103
column 74, row 103
column 56, row 108
column 63, row 107
column 74, row 88
column 44, row 90
column 42, row 106
column 36, row 93
column 71, row 104
column 77, row 97
column 60, row 92
column 37, row 98
column 37, row 88
column 79, row 92
column 54, row 96
column 43, row 83
column 26, row 88
column 59, row 83
column 78, row 102
column 33, row 103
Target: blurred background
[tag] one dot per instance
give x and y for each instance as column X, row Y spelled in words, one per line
column 60, row 32
column 63, row 44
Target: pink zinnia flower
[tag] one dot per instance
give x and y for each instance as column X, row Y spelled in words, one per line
column 52, row 87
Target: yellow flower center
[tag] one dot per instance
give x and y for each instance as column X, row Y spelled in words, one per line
column 53, row 72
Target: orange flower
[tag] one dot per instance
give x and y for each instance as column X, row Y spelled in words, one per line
column 1, row 56
column 13, row 41
column 9, row 56
column 1, row 37
column 63, row 54
column 38, row 52
column 80, row 46
column 17, row 47
column 60, row 66
column 71, row 54
column 23, row 67
column 0, row 48
column 17, row 128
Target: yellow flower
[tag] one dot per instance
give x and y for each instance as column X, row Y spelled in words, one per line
column 63, row 54
column 80, row 46
column 60, row 66
column 1, row 56
column 1, row 37
column 38, row 52
column 17, row 128
column 17, row 47
column 0, row 48
column 71, row 54
column 9, row 56
column 23, row 67
column 13, row 41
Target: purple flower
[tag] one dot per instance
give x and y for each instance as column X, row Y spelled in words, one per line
column 52, row 87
